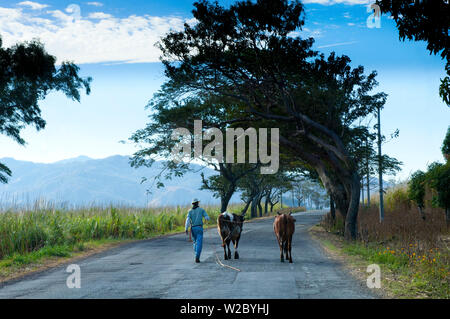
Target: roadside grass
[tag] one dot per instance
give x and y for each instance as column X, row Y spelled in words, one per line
column 32, row 239
column 399, row 278
column 411, row 276
column 413, row 253
column 423, row 276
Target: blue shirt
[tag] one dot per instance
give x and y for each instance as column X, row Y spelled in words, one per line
column 195, row 217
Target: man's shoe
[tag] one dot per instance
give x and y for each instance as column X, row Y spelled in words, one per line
column 197, row 260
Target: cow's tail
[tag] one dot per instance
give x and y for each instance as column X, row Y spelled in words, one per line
column 285, row 240
column 285, row 219
column 226, row 238
column 221, row 226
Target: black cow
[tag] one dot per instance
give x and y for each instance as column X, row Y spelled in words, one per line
column 230, row 228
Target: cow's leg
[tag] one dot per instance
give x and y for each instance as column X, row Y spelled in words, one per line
column 286, row 248
column 229, row 250
column 290, row 249
column 280, row 243
column 236, row 243
column 225, row 251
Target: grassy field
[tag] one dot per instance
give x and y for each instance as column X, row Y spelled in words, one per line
column 413, row 253
column 29, row 237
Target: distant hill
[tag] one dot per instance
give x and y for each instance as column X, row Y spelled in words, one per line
column 84, row 181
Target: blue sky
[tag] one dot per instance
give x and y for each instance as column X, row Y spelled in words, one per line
column 113, row 41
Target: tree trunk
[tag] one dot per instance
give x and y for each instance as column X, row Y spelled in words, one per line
column 225, row 199
column 254, row 207
column 422, row 212
column 260, row 210
column 266, row 204
column 351, row 226
column 345, row 190
column 332, row 209
column 244, row 211
column 281, row 199
column 447, row 216
column 339, row 176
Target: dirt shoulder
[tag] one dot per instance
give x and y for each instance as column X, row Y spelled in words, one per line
column 356, row 266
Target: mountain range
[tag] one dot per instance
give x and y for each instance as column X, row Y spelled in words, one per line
column 85, row 181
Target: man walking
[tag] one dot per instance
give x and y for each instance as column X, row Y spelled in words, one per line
column 195, row 219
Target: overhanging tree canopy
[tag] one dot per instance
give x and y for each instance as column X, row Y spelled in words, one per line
column 27, row 74
column 248, row 53
column 426, row 20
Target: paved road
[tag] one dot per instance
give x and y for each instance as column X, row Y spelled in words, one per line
column 165, row 268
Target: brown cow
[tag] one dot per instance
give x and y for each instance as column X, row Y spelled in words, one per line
column 284, row 227
column 230, row 228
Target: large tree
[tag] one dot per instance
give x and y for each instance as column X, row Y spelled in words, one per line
column 172, row 109
column 27, row 74
column 424, row 20
column 249, row 53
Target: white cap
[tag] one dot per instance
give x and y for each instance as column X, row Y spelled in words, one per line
column 195, row 200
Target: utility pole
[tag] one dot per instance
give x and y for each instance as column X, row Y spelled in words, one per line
column 380, row 170
column 368, row 170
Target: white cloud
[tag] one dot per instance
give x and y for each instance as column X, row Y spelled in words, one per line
column 96, row 38
column 306, row 33
column 350, row 24
column 33, row 5
column 331, row 2
column 336, row 44
column 99, row 15
column 95, row 4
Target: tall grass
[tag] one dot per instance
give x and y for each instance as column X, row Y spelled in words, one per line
column 415, row 247
column 25, row 231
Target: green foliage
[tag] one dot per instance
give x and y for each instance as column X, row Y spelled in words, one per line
column 446, row 145
column 416, row 188
column 439, row 180
column 424, row 21
column 397, row 197
column 27, row 74
column 374, row 254
column 444, row 88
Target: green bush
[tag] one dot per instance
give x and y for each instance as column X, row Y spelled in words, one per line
column 397, row 197
column 416, row 188
column 438, row 177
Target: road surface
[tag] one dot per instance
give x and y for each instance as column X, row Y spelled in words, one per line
column 165, row 268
